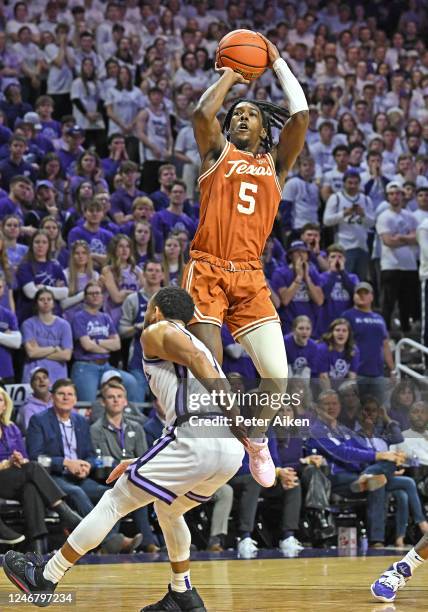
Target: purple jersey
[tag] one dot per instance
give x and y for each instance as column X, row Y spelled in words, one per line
column 165, row 221
column 338, row 289
column 8, row 323
column 129, row 280
column 47, row 273
column 369, row 334
column 301, row 304
column 336, row 363
column 301, row 357
column 97, row 326
column 98, row 241
column 57, row 333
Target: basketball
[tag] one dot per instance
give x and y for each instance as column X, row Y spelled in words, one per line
column 243, row 51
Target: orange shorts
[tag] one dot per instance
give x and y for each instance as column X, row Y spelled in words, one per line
column 228, row 292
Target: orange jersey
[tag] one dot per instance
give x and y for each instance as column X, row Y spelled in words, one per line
column 240, row 195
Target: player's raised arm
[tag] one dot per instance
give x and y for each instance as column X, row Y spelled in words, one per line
column 206, row 126
column 293, row 134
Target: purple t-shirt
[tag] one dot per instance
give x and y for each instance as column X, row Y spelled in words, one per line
column 301, row 304
column 56, row 334
column 98, row 241
column 48, row 273
column 7, row 207
column 338, row 291
column 129, row 280
column 369, row 334
column 97, row 326
column 8, row 322
column 335, row 363
column 121, row 201
column 165, row 221
column 301, row 357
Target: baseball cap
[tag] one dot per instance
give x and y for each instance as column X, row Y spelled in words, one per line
column 363, row 286
column 298, row 245
column 35, row 371
column 109, row 375
column 33, row 118
column 392, row 186
column 76, row 130
column 45, row 183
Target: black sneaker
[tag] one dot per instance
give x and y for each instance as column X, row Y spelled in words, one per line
column 9, row 536
column 189, row 601
column 26, row 573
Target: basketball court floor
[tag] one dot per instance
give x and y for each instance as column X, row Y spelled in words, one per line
column 267, row 584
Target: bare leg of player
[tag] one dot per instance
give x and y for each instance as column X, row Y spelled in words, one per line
column 396, row 576
column 210, row 335
column 261, row 465
column 265, row 345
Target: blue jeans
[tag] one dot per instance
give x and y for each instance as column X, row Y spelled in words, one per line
column 375, row 499
column 87, row 377
column 357, row 262
column 84, row 494
column 143, row 385
column 407, row 498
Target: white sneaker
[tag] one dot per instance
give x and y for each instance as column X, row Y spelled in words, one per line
column 290, row 547
column 247, row 549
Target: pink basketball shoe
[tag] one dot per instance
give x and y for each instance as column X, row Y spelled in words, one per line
column 262, row 466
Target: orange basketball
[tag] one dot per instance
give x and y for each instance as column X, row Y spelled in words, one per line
column 243, row 51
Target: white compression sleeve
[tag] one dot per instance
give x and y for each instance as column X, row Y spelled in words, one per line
column 293, row 91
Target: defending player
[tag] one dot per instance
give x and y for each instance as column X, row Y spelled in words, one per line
column 240, row 190
column 182, row 469
column 396, row 576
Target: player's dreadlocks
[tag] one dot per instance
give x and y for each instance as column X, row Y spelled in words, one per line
column 272, row 116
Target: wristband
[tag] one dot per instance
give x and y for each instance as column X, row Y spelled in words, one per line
column 291, row 87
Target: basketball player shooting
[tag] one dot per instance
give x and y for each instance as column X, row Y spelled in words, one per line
column 241, row 180
column 184, row 468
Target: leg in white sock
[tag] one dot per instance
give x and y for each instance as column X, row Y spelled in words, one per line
column 177, row 539
column 114, row 505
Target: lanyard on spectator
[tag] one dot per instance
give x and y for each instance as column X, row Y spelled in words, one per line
column 121, row 435
column 68, row 441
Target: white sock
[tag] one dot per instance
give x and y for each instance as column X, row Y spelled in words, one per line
column 56, row 567
column 413, row 559
column 181, row 582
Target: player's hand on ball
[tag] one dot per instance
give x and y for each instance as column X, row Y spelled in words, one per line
column 119, row 470
column 238, row 77
column 273, row 52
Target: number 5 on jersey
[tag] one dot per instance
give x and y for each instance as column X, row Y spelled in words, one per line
column 250, row 202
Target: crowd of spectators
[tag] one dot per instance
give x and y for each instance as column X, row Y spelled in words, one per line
column 99, row 204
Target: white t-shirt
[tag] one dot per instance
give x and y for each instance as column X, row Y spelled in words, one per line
column 59, row 79
column 422, row 238
column 415, row 443
column 125, row 105
column 89, row 97
column 304, row 197
column 402, row 257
